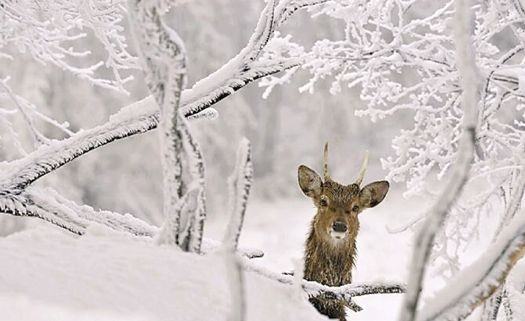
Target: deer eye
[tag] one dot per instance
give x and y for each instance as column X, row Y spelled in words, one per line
column 355, row 208
column 323, row 201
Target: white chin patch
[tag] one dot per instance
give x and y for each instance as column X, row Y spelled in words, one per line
column 337, row 235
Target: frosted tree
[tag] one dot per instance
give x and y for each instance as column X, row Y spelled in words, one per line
column 464, row 90
column 467, row 125
column 171, row 108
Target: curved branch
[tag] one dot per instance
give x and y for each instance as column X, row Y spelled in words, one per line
column 482, row 278
column 345, row 292
column 50, row 206
column 50, row 157
column 143, row 116
column 425, row 238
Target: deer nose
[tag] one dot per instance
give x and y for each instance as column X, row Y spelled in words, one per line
column 339, row 226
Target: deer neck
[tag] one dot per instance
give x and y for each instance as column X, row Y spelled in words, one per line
column 329, row 262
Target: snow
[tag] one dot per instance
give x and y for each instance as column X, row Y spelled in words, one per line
column 478, row 279
column 280, row 227
column 105, row 275
column 108, row 275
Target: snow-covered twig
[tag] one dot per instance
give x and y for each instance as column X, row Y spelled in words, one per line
column 50, row 32
column 425, row 237
column 50, row 157
column 473, row 285
column 164, row 64
column 237, row 287
column 507, row 306
column 344, row 292
column 38, row 137
column 170, row 230
column 198, row 175
column 235, row 275
column 140, row 117
column 515, row 202
column 491, row 307
column 66, row 214
column 239, row 185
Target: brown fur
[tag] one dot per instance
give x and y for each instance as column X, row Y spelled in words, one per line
column 327, row 260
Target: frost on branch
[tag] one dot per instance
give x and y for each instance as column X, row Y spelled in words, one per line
column 50, row 157
column 478, row 281
column 170, row 230
column 50, row 206
column 344, row 292
column 51, row 31
column 426, row 235
column 398, row 56
column 143, row 115
column 164, row 60
column 197, row 171
column 239, row 185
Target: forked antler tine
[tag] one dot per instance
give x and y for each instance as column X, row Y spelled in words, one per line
column 325, row 163
column 362, row 172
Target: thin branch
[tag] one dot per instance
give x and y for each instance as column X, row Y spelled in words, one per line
column 139, row 117
column 164, row 64
column 50, row 206
column 492, row 306
column 476, row 283
column 239, row 189
column 344, row 292
column 425, row 237
column 239, row 185
column 38, row 138
column 198, row 174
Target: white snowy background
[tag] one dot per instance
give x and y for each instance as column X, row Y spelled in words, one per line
column 383, row 76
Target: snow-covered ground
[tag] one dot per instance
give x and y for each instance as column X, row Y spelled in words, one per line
column 49, row 274
column 280, row 230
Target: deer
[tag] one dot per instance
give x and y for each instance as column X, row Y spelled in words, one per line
column 331, row 250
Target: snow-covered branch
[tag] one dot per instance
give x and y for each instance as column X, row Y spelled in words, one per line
column 195, row 225
column 239, row 184
column 48, row 158
column 345, row 292
column 472, row 286
column 425, row 237
column 50, row 32
column 239, row 190
column 164, row 64
column 143, row 116
column 50, row 206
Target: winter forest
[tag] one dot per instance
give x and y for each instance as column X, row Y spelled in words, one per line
column 247, row 160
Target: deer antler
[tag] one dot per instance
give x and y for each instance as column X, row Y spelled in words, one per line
column 325, row 163
column 362, row 172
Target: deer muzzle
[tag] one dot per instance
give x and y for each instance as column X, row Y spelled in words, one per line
column 338, row 230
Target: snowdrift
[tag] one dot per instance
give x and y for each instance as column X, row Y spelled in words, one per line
column 48, row 274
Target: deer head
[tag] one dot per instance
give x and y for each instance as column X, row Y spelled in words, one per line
column 339, row 206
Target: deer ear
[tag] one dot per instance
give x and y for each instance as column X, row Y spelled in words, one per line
column 309, row 181
column 373, row 193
